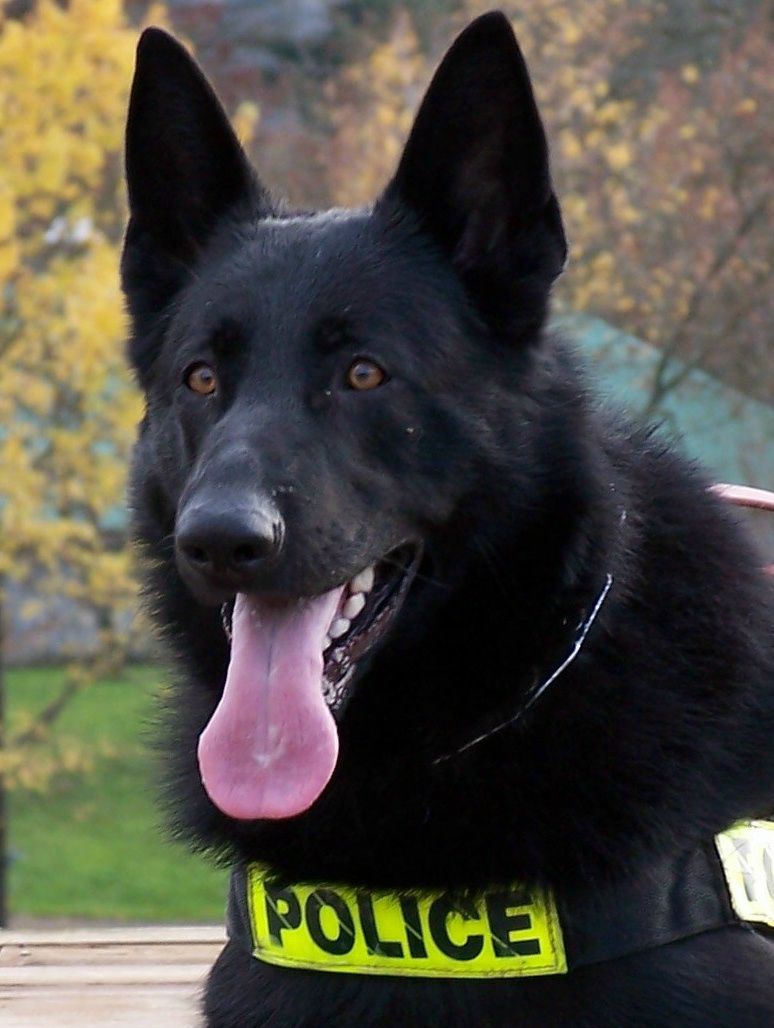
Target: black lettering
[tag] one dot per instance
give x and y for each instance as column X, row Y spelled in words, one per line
column 375, row 945
column 277, row 918
column 440, row 910
column 410, row 910
column 501, row 924
column 345, row 940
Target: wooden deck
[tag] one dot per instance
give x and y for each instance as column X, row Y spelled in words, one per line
column 127, row 977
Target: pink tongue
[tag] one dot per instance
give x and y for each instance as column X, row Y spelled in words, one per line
column 271, row 745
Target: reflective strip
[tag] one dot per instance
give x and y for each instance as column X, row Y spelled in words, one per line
column 505, row 933
column 747, row 855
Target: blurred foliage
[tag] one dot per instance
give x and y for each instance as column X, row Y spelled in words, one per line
column 665, row 186
column 374, row 101
column 67, row 405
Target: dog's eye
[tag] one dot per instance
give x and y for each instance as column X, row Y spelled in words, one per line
column 202, row 379
column 365, row 374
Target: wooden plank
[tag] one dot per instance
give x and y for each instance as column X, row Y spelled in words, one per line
column 112, row 936
column 122, row 977
column 101, row 974
column 101, row 1007
column 51, row 954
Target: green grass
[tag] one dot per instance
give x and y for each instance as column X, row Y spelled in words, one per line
column 91, row 845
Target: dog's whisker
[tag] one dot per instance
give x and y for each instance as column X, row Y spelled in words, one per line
column 421, row 576
column 489, row 560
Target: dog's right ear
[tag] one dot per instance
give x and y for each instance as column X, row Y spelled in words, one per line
column 185, row 172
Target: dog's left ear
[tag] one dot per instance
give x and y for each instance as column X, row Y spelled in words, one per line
column 475, row 170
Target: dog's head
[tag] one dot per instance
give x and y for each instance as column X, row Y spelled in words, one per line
column 323, row 388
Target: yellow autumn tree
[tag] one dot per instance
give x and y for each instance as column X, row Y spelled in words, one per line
column 373, row 105
column 67, row 405
column 663, row 172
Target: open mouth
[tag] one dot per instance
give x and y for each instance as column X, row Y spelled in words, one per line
column 369, row 603
column 271, row 744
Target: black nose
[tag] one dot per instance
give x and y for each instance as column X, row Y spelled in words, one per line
column 226, row 544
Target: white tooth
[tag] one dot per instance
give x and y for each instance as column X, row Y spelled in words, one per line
column 353, row 606
column 363, row 583
column 326, row 642
column 339, row 627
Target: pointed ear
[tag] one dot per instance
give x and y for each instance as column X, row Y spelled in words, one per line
column 185, row 170
column 475, row 171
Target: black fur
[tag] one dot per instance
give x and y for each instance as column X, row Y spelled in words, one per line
column 484, row 445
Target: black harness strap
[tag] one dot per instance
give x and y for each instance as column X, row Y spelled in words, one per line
column 674, row 900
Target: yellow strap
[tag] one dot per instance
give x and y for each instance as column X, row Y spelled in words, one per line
column 506, row 933
column 747, row 855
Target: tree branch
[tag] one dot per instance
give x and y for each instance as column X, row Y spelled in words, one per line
column 662, row 384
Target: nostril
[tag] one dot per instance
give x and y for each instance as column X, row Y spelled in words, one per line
column 196, row 554
column 246, row 554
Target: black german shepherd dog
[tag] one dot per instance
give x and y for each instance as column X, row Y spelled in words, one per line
column 439, row 620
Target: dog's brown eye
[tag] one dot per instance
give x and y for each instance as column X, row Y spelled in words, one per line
column 364, row 374
column 201, row 379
